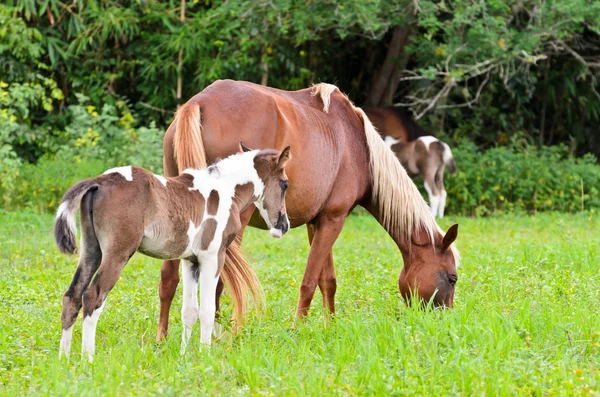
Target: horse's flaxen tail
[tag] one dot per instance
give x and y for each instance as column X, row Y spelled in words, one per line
column 65, row 229
column 448, row 159
column 238, row 276
column 188, row 147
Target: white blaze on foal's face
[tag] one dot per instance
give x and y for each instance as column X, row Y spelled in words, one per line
column 270, row 167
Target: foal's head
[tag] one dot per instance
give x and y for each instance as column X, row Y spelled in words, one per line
column 430, row 269
column 270, row 167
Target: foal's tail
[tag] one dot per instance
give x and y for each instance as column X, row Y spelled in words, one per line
column 448, row 159
column 238, row 276
column 188, row 146
column 65, row 230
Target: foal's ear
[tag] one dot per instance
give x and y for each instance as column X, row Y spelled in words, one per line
column 244, row 148
column 284, row 157
column 450, row 236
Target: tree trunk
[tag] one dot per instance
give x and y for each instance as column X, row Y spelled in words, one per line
column 385, row 81
column 180, row 58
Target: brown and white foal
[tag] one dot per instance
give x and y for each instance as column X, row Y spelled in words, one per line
column 427, row 156
column 193, row 217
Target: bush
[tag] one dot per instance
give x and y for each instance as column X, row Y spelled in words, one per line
column 518, row 179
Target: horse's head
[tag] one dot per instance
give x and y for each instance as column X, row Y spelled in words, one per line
column 430, row 269
column 270, row 167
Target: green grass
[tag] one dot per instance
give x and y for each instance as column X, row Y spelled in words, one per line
column 526, row 321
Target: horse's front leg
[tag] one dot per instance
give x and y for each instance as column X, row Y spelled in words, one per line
column 189, row 309
column 324, row 233
column 209, row 278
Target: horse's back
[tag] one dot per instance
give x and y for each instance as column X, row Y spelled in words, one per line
column 326, row 145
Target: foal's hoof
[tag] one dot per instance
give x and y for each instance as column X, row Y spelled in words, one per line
column 218, row 330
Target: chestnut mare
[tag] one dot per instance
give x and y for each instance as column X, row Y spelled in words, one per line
column 340, row 161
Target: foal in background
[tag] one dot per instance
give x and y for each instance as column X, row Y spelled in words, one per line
column 427, row 156
column 193, row 217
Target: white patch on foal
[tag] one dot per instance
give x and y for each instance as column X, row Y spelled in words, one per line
column 447, row 153
column 428, row 140
column 125, row 171
column 69, row 214
column 88, row 342
column 162, row 179
column 390, row 141
column 65, row 342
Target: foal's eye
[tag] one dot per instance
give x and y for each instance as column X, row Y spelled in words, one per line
column 284, row 185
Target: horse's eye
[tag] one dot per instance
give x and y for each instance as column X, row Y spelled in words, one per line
column 452, row 279
column 284, row 185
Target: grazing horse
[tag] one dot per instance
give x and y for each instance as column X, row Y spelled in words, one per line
column 193, row 217
column 427, row 156
column 340, row 162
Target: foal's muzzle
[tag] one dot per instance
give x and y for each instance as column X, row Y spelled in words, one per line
column 281, row 227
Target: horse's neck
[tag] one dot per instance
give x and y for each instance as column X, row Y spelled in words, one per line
column 244, row 195
column 400, row 237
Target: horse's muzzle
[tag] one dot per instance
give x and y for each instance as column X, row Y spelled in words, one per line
column 281, row 227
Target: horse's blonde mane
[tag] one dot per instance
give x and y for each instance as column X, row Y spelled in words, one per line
column 401, row 206
column 324, row 90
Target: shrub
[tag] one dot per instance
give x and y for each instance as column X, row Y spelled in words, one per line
column 513, row 179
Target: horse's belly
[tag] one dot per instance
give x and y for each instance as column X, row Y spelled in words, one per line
column 158, row 249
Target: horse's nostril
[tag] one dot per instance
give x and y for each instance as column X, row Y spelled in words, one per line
column 452, row 279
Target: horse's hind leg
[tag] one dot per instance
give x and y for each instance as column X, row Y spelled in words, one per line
column 432, row 190
column 115, row 257
column 89, row 260
column 169, row 279
column 439, row 182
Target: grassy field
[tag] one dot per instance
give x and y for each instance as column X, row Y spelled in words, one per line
column 526, row 321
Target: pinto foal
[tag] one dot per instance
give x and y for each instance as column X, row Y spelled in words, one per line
column 193, row 217
column 427, row 156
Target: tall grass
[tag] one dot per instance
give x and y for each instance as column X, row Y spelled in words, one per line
column 526, row 320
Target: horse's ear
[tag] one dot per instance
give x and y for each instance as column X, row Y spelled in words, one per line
column 450, row 236
column 284, row 157
column 244, row 148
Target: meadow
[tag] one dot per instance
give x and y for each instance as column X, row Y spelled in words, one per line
column 526, row 319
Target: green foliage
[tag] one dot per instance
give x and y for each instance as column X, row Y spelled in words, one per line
column 521, row 179
column 524, row 321
column 91, row 142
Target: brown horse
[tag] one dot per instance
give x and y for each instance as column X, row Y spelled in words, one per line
column 427, row 156
column 193, row 217
column 395, row 122
column 340, row 162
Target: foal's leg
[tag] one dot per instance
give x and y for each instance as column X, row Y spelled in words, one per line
column 169, row 279
column 327, row 230
column 439, row 183
column 189, row 310
column 208, row 285
column 327, row 280
column 432, row 190
column 95, row 295
column 89, row 260
column 245, row 217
